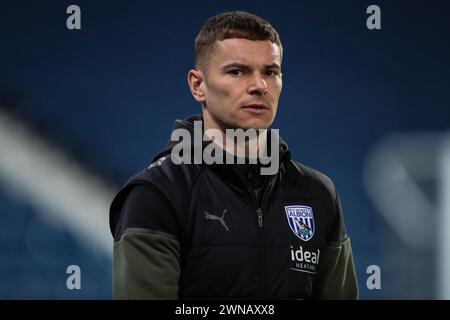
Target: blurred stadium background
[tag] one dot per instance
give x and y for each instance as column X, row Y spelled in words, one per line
column 81, row 111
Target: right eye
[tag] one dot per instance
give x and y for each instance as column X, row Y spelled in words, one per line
column 236, row 72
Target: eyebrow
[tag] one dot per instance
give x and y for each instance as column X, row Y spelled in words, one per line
column 245, row 66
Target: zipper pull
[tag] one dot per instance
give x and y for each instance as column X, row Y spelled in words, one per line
column 260, row 217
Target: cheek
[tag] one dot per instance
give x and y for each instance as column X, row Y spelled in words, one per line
column 278, row 84
column 276, row 91
column 215, row 91
column 226, row 92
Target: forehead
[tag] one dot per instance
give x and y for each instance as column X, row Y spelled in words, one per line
column 246, row 51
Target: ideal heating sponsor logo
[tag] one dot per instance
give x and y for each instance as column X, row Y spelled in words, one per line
column 304, row 260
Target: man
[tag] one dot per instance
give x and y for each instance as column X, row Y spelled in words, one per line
column 202, row 230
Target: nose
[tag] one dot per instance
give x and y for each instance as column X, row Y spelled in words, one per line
column 258, row 86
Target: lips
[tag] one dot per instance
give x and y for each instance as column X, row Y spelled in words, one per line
column 256, row 108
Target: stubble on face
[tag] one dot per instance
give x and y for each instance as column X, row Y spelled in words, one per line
column 242, row 84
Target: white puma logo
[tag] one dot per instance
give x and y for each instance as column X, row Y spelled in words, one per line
column 214, row 217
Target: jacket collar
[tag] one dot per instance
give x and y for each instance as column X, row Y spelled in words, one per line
column 188, row 124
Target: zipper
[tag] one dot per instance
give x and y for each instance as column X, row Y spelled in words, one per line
column 260, row 217
column 262, row 203
column 259, row 205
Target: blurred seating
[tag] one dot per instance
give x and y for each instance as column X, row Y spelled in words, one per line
column 35, row 254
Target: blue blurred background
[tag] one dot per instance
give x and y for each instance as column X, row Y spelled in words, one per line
column 82, row 110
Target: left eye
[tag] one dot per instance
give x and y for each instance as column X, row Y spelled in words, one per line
column 271, row 73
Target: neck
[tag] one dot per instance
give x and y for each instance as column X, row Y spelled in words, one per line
column 240, row 143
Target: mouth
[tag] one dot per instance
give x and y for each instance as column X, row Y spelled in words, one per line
column 256, row 108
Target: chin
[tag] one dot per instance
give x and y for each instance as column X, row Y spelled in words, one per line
column 255, row 124
column 262, row 121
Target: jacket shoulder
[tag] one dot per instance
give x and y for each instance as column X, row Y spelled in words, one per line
column 314, row 181
column 321, row 187
column 168, row 180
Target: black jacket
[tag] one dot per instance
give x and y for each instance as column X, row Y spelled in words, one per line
column 201, row 231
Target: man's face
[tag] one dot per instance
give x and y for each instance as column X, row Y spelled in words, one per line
column 242, row 84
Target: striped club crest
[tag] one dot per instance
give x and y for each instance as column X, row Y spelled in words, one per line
column 301, row 221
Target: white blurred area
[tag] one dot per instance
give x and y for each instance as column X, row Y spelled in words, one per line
column 407, row 177
column 56, row 186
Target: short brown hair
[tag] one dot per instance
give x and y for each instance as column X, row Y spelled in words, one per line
column 233, row 24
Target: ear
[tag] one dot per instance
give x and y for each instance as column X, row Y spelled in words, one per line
column 196, row 84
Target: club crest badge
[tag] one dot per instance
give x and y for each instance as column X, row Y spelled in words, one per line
column 301, row 221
